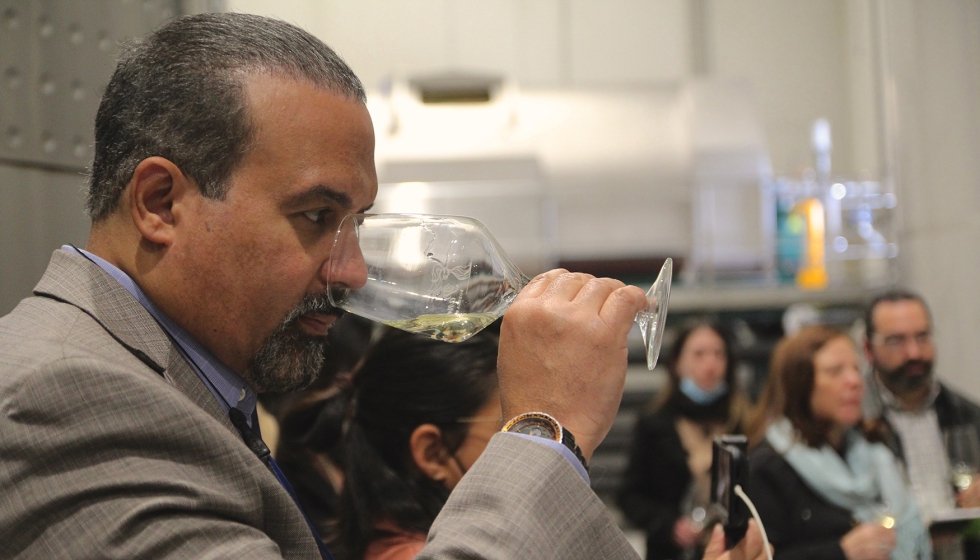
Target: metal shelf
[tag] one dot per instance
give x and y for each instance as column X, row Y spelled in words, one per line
column 686, row 299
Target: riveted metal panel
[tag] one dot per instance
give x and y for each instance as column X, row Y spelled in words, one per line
column 39, row 212
column 56, row 57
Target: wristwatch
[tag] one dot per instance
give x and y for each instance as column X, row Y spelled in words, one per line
column 540, row 424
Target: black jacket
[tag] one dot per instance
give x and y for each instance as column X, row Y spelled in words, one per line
column 952, row 409
column 657, row 476
column 799, row 523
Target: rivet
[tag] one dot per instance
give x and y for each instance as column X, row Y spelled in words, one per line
column 48, row 86
column 45, row 27
column 12, row 76
column 80, row 150
column 48, row 143
column 76, row 35
column 11, row 19
column 14, row 138
column 77, row 91
column 105, row 44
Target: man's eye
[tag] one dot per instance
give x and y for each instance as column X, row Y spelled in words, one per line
column 316, row 216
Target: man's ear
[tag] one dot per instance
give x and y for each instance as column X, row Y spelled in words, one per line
column 430, row 453
column 157, row 185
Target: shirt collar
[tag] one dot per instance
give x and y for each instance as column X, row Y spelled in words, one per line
column 227, row 387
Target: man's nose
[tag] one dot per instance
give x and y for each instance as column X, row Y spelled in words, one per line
column 347, row 273
column 913, row 348
column 345, row 267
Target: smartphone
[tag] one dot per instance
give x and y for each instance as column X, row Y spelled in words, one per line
column 730, row 467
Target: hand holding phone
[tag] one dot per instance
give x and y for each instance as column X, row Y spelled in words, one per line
column 730, row 468
column 752, row 547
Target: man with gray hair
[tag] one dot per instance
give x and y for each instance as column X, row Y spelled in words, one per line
column 228, row 149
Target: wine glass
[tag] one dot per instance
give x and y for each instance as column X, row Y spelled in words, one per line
column 695, row 507
column 882, row 514
column 963, row 451
column 446, row 277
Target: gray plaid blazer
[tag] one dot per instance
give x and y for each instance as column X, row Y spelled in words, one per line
column 112, row 447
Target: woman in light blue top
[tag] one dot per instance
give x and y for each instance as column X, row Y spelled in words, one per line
column 824, row 485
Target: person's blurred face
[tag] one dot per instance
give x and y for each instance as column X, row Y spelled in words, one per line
column 901, row 349
column 837, row 384
column 487, row 422
column 703, row 358
column 254, row 265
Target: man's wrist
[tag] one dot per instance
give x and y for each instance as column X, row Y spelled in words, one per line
column 543, row 425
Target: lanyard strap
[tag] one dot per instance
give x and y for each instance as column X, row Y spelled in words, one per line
column 261, row 450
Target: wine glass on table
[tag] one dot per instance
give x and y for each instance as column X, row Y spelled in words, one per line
column 963, row 450
column 446, row 277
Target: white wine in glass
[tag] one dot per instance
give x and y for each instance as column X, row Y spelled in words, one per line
column 961, row 476
column 963, row 451
column 446, row 277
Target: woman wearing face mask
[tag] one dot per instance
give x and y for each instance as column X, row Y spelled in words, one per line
column 668, row 475
column 421, row 413
column 823, row 488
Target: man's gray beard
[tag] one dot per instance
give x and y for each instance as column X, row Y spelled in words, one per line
column 899, row 382
column 290, row 360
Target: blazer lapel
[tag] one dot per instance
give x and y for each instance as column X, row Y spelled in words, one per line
column 74, row 279
column 77, row 281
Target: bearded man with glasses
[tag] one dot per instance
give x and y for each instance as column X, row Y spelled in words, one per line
column 916, row 407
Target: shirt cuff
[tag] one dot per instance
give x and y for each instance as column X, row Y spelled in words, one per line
column 559, row 447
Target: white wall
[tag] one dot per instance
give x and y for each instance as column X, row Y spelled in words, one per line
column 934, row 116
column 538, row 42
column 795, row 53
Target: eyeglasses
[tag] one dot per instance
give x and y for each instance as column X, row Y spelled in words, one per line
column 899, row 341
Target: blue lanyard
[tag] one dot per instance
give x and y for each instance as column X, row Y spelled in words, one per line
column 261, row 450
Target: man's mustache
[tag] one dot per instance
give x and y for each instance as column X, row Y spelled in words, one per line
column 900, row 378
column 312, row 303
column 924, row 365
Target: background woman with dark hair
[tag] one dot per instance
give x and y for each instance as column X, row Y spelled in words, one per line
column 670, row 460
column 311, row 461
column 420, row 414
column 822, row 488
